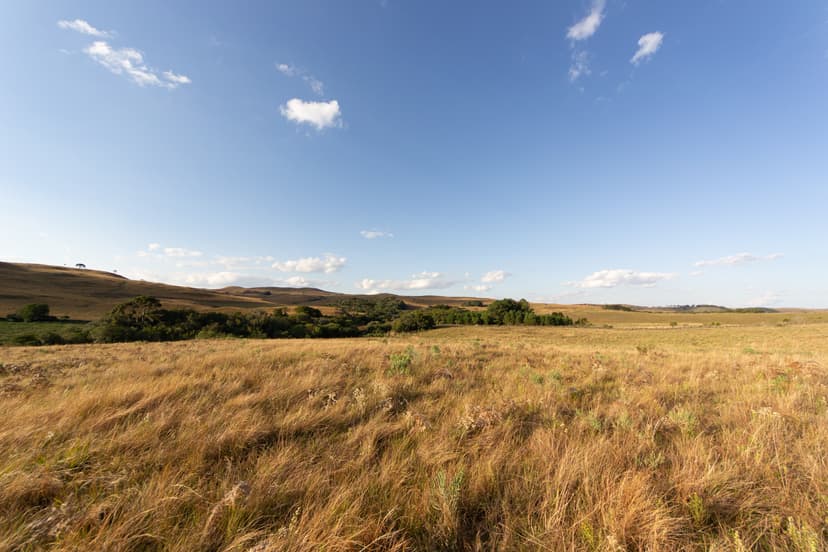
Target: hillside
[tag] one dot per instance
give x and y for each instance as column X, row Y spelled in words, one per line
column 88, row 294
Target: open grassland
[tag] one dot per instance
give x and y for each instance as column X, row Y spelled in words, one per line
column 711, row 438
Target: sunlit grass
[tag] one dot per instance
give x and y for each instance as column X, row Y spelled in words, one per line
column 464, row 438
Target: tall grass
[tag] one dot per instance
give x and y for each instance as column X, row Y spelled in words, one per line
column 486, row 439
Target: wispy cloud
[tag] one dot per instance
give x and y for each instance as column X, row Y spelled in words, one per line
column 579, row 66
column 621, row 277
column 155, row 250
column 177, row 79
column 588, row 26
column 480, row 288
column 648, row 45
column 130, row 63
column 317, row 114
column 231, row 278
column 316, row 85
column 83, row 27
column 738, row 259
column 374, row 234
column 327, row 264
column 494, row 276
column 581, row 31
column 767, row 299
column 423, row 280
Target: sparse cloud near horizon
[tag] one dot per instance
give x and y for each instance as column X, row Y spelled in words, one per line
column 621, row 277
column 648, row 45
column 494, row 276
column 83, row 27
column 738, row 259
column 328, row 263
column 480, row 288
column 423, row 280
column 320, row 115
column 232, row 278
column 767, row 299
column 156, row 250
column 374, row 234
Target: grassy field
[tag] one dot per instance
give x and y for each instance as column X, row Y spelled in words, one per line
column 10, row 331
column 634, row 438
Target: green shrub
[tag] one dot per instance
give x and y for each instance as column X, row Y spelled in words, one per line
column 401, row 362
column 35, row 312
column 52, row 338
column 26, row 339
column 414, row 321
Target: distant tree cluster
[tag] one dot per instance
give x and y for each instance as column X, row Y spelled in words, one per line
column 625, row 308
column 144, row 319
column 35, row 312
column 504, row 312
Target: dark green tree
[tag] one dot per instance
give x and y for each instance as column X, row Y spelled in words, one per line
column 35, row 312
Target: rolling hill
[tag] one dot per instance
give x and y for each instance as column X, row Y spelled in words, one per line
column 86, row 294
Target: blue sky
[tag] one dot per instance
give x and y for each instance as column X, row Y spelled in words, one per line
column 571, row 151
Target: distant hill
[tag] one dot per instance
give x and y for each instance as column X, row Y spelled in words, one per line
column 691, row 309
column 86, row 294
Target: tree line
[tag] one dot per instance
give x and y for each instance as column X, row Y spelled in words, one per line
column 144, row 318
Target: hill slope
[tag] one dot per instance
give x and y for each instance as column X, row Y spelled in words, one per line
column 89, row 294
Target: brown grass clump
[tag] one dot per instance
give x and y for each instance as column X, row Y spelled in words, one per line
column 479, row 439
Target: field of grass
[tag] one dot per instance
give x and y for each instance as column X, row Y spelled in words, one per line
column 474, row 438
column 10, row 331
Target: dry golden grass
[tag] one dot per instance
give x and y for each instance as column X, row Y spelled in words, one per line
column 457, row 439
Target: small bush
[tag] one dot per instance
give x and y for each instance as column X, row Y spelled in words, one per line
column 52, row 338
column 401, row 362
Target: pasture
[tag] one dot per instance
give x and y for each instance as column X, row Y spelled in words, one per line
column 642, row 436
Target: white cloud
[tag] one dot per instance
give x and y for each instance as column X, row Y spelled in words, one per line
column 648, row 45
column 318, row 114
column 130, row 62
column 697, row 273
column 181, row 252
column 286, row 69
column 494, row 276
column 81, row 26
column 327, row 264
column 587, row 26
column 154, row 246
column 374, row 234
column 619, row 277
column 738, row 259
column 477, row 287
column 316, row 85
column 214, row 279
column 235, row 262
column 177, row 79
column 423, row 280
column 580, row 65
column 767, row 299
